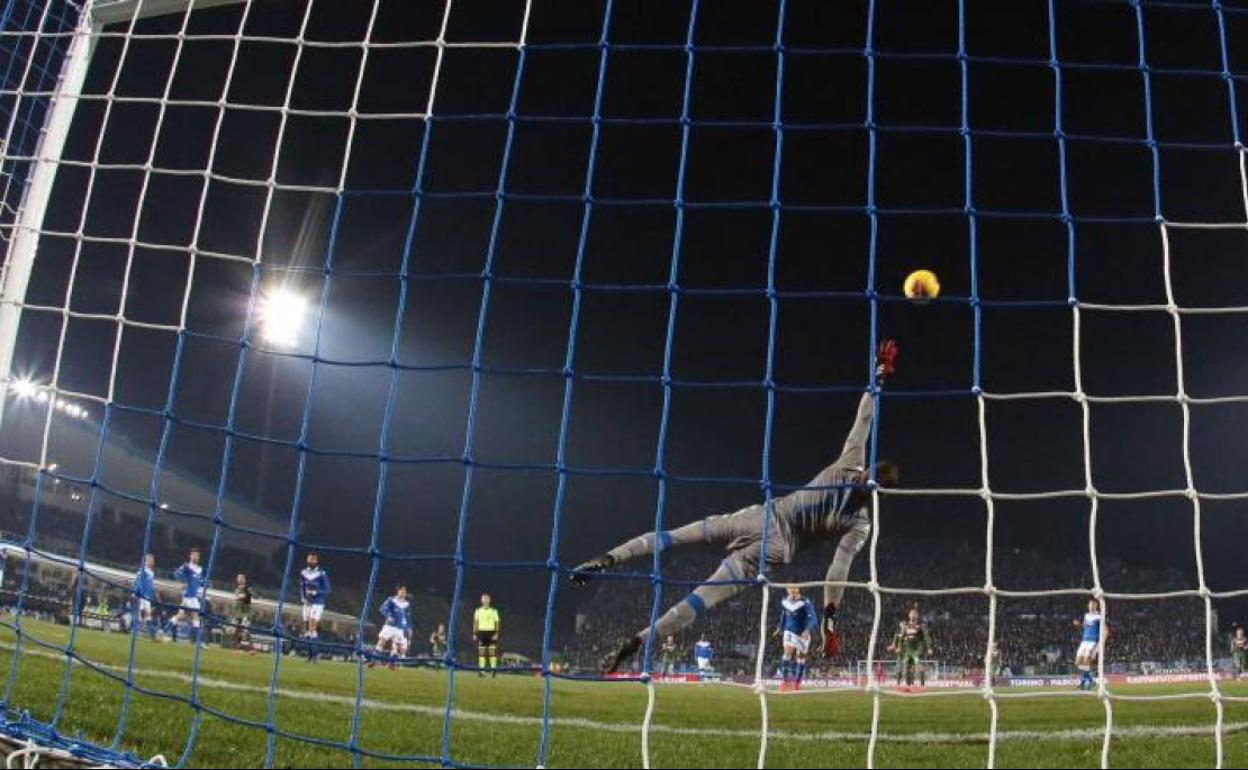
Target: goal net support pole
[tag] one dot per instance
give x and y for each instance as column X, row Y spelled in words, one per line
column 34, row 205
column 15, row 276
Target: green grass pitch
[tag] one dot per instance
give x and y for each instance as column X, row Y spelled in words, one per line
column 594, row 724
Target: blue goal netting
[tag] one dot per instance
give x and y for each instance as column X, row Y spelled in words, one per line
column 456, row 300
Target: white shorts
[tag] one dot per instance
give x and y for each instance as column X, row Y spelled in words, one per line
column 797, row 642
column 145, row 605
column 313, row 612
column 1088, row 650
column 703, row 663
column 190, row 603
column 392, row 634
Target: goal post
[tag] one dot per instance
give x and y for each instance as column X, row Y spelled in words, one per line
column 107, row 12
column 33, row 207
column 93, row 18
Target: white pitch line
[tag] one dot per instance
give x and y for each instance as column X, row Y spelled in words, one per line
column 1137, row 731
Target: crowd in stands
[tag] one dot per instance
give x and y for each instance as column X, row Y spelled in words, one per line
column 1032, row 633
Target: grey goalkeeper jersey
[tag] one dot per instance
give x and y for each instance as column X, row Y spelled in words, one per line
column 830, row 505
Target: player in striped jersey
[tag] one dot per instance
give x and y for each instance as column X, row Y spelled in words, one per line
column 242, row 613
column 1239, row 651
column 912, row 643
column 833, row 508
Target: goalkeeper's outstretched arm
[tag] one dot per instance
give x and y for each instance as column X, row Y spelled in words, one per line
column 854, row 453
column 854, row 456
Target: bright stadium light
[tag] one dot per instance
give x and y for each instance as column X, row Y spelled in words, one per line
column 24, row 388
column 281, row 317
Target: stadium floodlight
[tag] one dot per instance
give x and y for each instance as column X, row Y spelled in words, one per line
column 24, row 388
column 281, row 317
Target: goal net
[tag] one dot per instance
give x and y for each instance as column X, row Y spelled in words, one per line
column 455, row 298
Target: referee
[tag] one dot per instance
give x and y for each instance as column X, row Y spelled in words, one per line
column 486, row 626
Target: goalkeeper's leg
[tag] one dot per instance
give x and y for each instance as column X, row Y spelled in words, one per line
column 739, row 566
column 720, row 530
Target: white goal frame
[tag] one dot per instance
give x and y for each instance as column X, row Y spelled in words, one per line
column 93, row 17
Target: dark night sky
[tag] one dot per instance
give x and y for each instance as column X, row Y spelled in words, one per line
column 823, row 245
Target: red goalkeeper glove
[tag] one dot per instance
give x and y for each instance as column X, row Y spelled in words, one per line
column 831, row 639
column 831, row 643
column 885, row 360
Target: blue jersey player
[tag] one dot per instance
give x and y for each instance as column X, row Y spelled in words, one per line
column 313, row 589
column 144, row 594
column 191, row 574
column 397, row 626
column 702, row 654
column 798, row 621
column 1093, row 636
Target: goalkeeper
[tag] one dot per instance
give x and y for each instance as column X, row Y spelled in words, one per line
column 832, row 508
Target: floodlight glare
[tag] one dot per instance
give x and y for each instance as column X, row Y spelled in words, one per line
column 281, row 317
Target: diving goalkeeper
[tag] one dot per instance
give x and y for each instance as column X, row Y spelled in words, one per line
column 833, row 507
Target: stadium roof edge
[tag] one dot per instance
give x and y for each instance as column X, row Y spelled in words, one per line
column 105, row 12
column 255, row 516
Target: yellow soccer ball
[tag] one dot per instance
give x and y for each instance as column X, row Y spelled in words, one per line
column 921, row 284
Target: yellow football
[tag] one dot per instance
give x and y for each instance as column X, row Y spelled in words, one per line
column 921, row 284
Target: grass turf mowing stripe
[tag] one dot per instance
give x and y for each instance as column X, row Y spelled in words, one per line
column 1059, row 735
